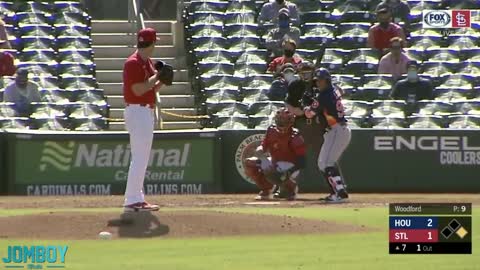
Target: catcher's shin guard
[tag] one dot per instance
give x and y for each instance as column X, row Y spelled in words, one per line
column 253, row 170
column 335, row 180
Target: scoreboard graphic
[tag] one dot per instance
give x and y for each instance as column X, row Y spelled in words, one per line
column 430, row 228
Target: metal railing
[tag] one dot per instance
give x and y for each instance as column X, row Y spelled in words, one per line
column 135, row 17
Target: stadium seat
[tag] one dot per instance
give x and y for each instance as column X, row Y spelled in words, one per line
column 72, row 31
column 417, row 6
column 79, row 83
column 426, row 42
column 247, row 70
column 387, row 122
column 95, row 97
column 471, row 54
column 451, row 94
column 350, row 43
column 356, row 108
column 46, row 83
column 206, row 6
column 231, row 122
column 459, row 81
column 206, row 30
column 34, row 7
column 88, row 124
column 86, row 110
column 78, row 19
column 467, row 106
column 417, row 31
column 253, row 56
column 319, row 17
column 442, row 55
column 315, row 43
column 241, row 7
column 464, row 121
column 215, row 56
column 28, row 18
column 221, row 82
column 239, row 44
column 426, row 121
column 363, row 61
column 40, row 69
column 57, row 96
column 75, row 69
column 37, row 30
column 357, row 122
column 427, row 107
column 260, row 81
column 463, row 4
column 210, row 69
column 261, row 122
column 305, row 6
column 348, row 83
column 42, row 110
column 252, row 95
column 14, row 123
column 7, row 8
column 73, row 43
column 308, row 55
column 68, row 7
column 357, row 17
column 38, row 56
column 82, row 56
column 390, row 108
column 415, row 54
column 54, row 124
column 323, row 30
column 239, row 18
column 354, row 30
column 266, row 108
column 462, row 42
column 37, row 43
column 227, row 108
column 240, row 30
column 7, row 109
column 219, row 95
column 342, row 7
column 438, row 69
column 208, row 17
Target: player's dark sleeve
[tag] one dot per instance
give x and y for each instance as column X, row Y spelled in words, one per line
column 266, row 140
column 394, row 92
column 428, row 90
column 298, row 146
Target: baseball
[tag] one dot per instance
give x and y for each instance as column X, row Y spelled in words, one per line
column 105, row 235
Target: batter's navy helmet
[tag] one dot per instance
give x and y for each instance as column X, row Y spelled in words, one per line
column 322, row 73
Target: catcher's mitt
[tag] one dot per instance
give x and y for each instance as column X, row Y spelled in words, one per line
column 165, row 72
column 275, row 177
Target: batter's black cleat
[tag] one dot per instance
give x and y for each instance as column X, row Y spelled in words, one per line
column 343, row 194
column 334, row 198
column 277, row 193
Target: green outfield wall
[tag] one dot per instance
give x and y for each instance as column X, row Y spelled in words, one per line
column 211, row 162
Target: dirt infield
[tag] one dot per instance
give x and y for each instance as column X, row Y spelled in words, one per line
column 226, row 200
column 177, row 224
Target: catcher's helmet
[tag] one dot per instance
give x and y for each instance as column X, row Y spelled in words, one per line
column 284, row 118
column 322, row 73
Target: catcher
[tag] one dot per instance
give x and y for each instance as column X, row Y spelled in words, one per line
column 286, row 148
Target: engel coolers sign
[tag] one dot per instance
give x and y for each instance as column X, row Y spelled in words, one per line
column 446, row 18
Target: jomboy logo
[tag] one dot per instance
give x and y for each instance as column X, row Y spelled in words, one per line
column 446, row 18
column 34, row 257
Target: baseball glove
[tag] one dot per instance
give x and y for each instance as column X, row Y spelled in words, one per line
column 275, row 177
column 165, row 72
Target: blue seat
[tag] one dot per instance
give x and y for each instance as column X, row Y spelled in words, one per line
column 225, row 82
column 241, row 7
column 319, row 17
column 243, row 43
column 7, row 8
column 464, row 121
column 231, row 122
column 47, row 83
column 362, row 61
column 427, row 122
column 73, row 43
column 241, row 30
column 342, row 7
column 426, row 42
column 221, row 95
column 34, row 7
column 459, row 81
column 258, row 81
column 71, row 19
column 37, row 56
column 353, row 30
column 266, row 108
column 57, row 96
column 471, row 55
column 350, row 43
column 215, row 56
column 206, row 6
column 387, row 122
column 428, row 107
column 315, row 43
column 438, row 69
column 324, row 30
column 86, row 110
column 357, row 16
column 43, row 110
column 28, row 18
column 253, row 56
column 415, row 54
column 462, row 42
column 40, row 69
column 72, row 31
column 240, row 18
column 79, row 83
column 391, row 108
column 250, row 69
column 206, row 30
column 210, row 69
column 76, row 69
column 68, row 7
column 442, row 55
column 357, row 122
column 253, row 95
column 469, row 68
column 261, row 122
column 227, row 108
column 208, row 17
column 451, row 94
column 37, row 43
column 308, row 55
column 53, row 123
column 7, row 110
column 36, row 30
column 14, row 123
column 467, row 106
column 82, row 56
column 89, row 124
column 95, row 97
column 357, row 108
column 305, row 6
column 209, row 43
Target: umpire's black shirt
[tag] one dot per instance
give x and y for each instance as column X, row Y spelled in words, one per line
column 412, row 91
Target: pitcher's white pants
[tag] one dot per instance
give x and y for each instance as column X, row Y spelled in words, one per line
column 139, row 121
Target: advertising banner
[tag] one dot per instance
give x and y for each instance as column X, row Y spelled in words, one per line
column 98, row 164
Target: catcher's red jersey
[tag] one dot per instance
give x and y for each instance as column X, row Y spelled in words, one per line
column 283, row 146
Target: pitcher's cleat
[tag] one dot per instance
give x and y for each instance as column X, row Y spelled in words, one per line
column 263, row 195
column 141, row 207
column 334, row 198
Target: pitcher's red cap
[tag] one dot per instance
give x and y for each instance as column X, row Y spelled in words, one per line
column 147, row 35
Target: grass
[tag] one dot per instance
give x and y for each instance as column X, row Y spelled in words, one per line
column 340, row 252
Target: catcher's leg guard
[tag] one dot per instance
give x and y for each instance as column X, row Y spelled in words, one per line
column 253, row 170
column 291, row 187
column 336, row 182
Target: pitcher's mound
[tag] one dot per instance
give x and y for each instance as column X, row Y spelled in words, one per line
column 62, row 225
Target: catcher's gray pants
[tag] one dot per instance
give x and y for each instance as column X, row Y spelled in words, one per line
column 335, row 142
